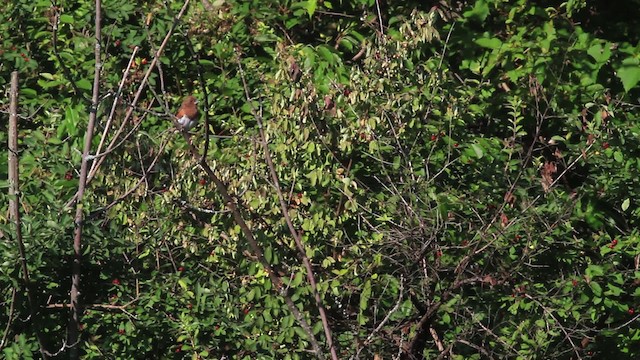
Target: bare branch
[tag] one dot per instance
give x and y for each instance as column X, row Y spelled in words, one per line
column 76, row 309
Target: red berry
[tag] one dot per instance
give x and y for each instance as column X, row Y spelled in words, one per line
column 144, row 61
column 574, row 282
column 455, row 145
column 202, row 181
column 189, row 306
column 121, row 331
column 438, row 253
column 68, row 175
column 347, row 92
column 631, row 311
column 245, row 311
column 614, row 242
column 115, row 281
column 434, row 137
column 181, row 269
column 117, row 43
column 605, row 145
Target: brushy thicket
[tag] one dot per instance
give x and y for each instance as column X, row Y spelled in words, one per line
column 461, row 176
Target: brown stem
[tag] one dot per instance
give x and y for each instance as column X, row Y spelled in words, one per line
column 14, row 206
column 76, row 309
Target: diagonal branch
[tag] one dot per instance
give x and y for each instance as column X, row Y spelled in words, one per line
column 230, row 203
column 285, row 212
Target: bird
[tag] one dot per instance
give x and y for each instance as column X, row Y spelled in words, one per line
column 187, row 115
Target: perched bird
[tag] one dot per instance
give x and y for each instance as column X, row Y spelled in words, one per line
column 187, row 115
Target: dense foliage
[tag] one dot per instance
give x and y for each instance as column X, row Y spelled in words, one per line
column 462, row 176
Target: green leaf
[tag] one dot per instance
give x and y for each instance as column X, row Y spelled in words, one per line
column 66, row 19
column 29, row 93
column 479, row 12
column 267, row 316
column 600, row 52
column 301, row 333
column 297, row 280
column 629, row 73
column 144, row 254
column 183, row 284
column 364, row 297
column 594, row 271
column 311, row 7
column 326, row 53
column 268, row 254
column 478, row 150
column 206, row 62
column 617, row 156
column 84, row 84
column 446, row 318
column 625, row 204
column 491, row 43
column 613, row 290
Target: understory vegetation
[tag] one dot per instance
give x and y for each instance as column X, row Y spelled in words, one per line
column 369, row 179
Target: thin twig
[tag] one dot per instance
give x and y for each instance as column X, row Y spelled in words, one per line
column 386, row 318
column 576, row 349
column 141, row 87
column 9, row 318
column 380, row 18
column 116, row 98
column 140, row 181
